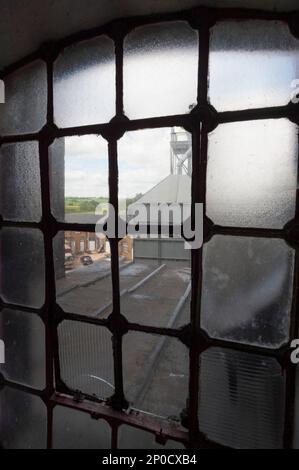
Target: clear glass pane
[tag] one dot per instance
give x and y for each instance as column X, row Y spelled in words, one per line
column 23, row 423
column 83, row 273
column 20, row 192
column 155, row 168
column 79, row 178
column 252, row 173
column 134, row 438
column 160, row 70
column 252, row 64
column 86, row 358
column 23, row 267
column 75, row 430
column 247, row 290
column 25, row 108
column 84, row 83
column 241, row 403
column 154, row 366
column 24, row 338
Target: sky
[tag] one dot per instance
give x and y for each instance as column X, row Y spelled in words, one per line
column 143, row 160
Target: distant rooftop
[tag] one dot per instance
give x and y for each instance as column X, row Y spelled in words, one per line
column 173, row 189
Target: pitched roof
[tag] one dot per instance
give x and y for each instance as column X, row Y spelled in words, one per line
column 173, row 189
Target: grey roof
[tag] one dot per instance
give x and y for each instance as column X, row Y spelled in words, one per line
column 173, row 189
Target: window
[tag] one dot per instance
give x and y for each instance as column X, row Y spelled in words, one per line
column 182, row 109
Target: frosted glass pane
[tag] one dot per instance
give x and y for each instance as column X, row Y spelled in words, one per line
column 252, row 64
column 247, row 290
column 160, row 70
column 86, row 358
column 75, row 430
column 24, row 338
column 25, row 108
column 84, row 83
column 23, row 423
column 79, row 178
column 22, row 263
column 20, row 192
column 83, row 273
column 241, row 402
column 134, row 438
column 252, row 173
column 154, row 366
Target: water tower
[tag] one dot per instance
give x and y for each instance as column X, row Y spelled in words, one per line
column 180, row 152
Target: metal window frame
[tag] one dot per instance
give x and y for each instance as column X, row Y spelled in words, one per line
column 202, row 120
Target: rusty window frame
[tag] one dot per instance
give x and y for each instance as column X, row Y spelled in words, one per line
column 202, row 120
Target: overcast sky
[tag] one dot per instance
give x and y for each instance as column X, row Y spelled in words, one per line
column 144, row 160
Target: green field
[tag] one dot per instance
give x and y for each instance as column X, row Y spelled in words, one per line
column 86, row 205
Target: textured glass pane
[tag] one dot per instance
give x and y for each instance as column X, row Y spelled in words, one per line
column 83, row 273
column 134, row 438
column 247, row 290
column 75, row 430
column 160, row 70
column 86, row 358
column 24, row 338
column 25, row 108
column 241, row 403
column 252, row 173
column 22, row 267
column 155, row 170
column 79, row 178
column 84, row 83
column 155, row 366
column 23, row 421
column 20, row 193
column 252, row 64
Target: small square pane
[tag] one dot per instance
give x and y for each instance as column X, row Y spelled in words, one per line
column 83, row 273
column 86, row 358
column 75, row 430
column 252, row 64
column 160, row 70
column 25, row 108
column 241, row 400
column 252, row 173
column 23, row 267
column 247, row 290
column 154, row 366
column 84, row 83
column 23, row 422
column 20, row 191
column 155, row 294
column 79, row 179
column 24, row 338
